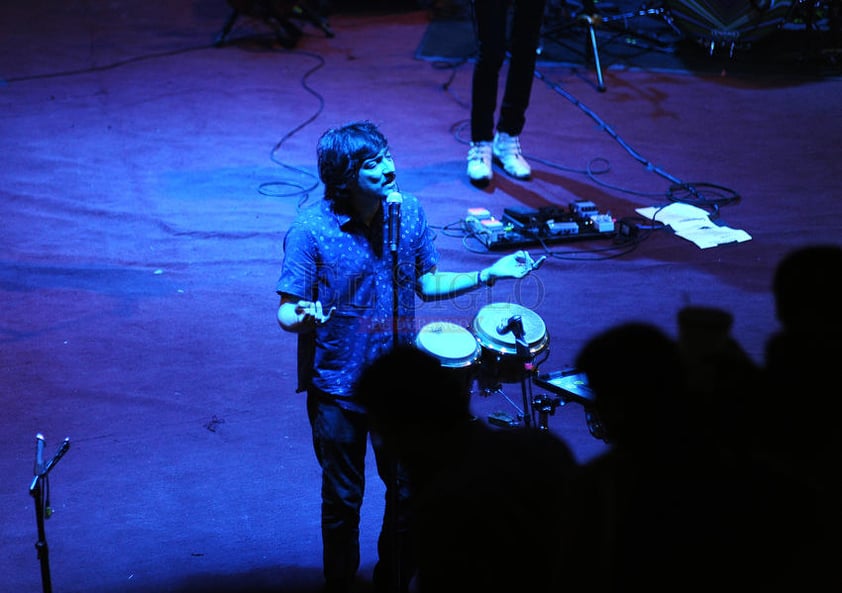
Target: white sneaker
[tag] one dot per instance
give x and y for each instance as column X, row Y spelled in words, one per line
column 507, row 151
column 479, row 162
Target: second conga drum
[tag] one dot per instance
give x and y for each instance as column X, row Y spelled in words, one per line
column 454, row 346
column 500, row 360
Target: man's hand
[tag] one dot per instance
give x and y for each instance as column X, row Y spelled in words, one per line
column 301, row 316
column 310, row 312
column 514, row 265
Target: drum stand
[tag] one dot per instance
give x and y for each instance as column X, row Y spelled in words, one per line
column 39, row 489
column 571, row 385
column 537, row 409
column 544, row 404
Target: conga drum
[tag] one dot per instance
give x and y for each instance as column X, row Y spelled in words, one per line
column 455, row 347
column 501, row 359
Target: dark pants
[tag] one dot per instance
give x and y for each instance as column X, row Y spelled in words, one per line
column 491, row 23
column 340, row 439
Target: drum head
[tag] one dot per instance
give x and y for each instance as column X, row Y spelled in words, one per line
column 491, row 317
column 452, row 344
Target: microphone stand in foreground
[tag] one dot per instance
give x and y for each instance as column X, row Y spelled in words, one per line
column 40, row 491
column 393, row 213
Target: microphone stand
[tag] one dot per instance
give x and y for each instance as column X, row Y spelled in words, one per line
column 392, row 212
column 394, row 498
column 39, row 489
column 395, row 297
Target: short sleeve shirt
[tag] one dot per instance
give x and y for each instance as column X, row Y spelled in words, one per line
column 333, row 258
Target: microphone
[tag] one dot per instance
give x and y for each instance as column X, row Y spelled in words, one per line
column 514, row 325
column 39, row 453
column 394, row 201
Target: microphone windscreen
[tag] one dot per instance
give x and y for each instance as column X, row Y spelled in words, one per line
column 394, row 198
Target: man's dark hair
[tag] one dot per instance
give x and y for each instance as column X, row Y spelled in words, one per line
column 341, row 153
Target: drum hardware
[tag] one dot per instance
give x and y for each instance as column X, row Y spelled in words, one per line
column 571, row 385
column 279, row 15
column 514, row 325
column 722, row 24
column 505, row 356
column 545, row 406
column 455, row 347
column 595, row 426
column 590, row 18
column 821, row 21
column 503, row 419
column 511, row 337
column 504, row 347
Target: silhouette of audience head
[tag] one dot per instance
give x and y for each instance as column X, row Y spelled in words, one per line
column 704, row 328
column 485, row 500
column 635, row 372
column 721, row 378
column 413, row 402
column 807, row 287
column 801, row 412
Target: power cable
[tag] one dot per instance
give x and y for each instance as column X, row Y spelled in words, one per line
column 679, row 190
column 299, row 189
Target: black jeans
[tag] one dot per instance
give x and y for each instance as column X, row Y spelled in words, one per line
column 491, row 20
column 339, row 440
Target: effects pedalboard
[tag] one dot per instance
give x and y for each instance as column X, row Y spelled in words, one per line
column 521, row 226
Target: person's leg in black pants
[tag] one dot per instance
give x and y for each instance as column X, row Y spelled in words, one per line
column 339, row 441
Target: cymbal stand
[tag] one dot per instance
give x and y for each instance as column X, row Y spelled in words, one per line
column 40, row 491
